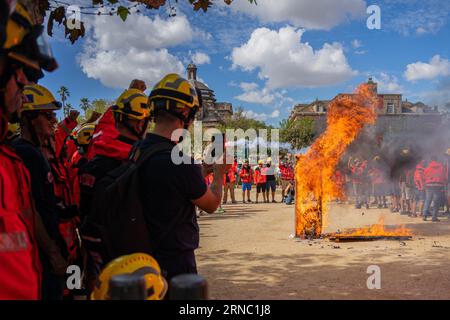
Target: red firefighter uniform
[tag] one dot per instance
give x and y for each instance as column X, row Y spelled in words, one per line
column 259, row 177
column 20, row 269
column 246, row 174
column 435, row 175
column 64, row 149
column 230, row 175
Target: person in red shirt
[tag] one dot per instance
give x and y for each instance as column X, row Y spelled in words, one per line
column 229, row 181
column 246, row 175
column 359, row 171
column 435, row 180
column 378, row 176
column 447, row 169
column 287, row 174
column 260, row 181
column 419, row 191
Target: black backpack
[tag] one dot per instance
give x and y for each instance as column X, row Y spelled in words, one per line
column 116, row 224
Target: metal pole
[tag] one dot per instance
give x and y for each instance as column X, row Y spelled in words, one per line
column 127, row 287
column 188, row 287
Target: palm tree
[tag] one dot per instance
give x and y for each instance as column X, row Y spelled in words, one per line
column 85, row 104
column 64, row 94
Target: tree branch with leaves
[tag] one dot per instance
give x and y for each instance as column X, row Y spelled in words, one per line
column 58, row 11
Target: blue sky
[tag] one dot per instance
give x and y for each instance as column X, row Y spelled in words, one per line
column 265, row 58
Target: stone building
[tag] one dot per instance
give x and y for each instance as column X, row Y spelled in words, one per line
column 396, row 117
column 213, row 113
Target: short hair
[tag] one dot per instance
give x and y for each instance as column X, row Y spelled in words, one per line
column 138, row 84
column 163, row 116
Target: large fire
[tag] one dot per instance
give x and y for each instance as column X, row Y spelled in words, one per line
column 315, row 186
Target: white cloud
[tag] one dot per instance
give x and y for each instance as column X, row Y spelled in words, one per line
column 262, row 116
column 253, row 95
column 416, row 17
column 248, row 86
column 118, row 51
column 285, row 61
column 438, row 96
column 388, row 84
column 426, row 71
column 200, row 58
column 311, row 14
column 356, row 44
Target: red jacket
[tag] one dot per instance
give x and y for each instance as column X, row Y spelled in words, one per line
column 231, row 174
column 259, row 177
column 246, row 175
column 106, row 140
column 73, row 177
column 63, row 130
column 434, row 174
column 20, row 269
column 287, row 173
column 358, row 172
column 419, row 177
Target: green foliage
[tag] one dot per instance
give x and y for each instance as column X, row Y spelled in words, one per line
column 298, row 133
column 240, row 121
column 97, row 105
column 85, row 104
column 64, row 94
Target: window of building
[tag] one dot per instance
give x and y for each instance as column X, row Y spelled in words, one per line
column 390, row 108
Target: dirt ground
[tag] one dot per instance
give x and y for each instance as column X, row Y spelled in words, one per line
column 249, row 252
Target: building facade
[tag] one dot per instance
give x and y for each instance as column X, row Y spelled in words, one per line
column 212, row 113
column 396, row 117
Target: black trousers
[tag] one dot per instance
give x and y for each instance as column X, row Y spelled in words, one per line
column 176, row 262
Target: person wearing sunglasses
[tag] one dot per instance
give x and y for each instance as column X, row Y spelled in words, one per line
column 23, row 55
column 37, row 124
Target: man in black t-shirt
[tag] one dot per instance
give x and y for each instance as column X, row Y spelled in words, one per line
column 171, row 191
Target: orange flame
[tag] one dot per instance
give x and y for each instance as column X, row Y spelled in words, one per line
column 376, row 230
column 315, row 186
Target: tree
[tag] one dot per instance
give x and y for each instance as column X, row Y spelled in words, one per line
column 64, row 94
column 66, row 108
column 96, row 105
column 240, row 121
column 102, row 7
column 85, row 104
column 299, row 133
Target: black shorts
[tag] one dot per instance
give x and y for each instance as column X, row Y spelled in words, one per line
column 271, row 185
column 260, row 187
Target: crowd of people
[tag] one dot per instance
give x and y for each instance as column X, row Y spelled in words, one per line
column 263, row 178
column 55, row 177
column 415, row 187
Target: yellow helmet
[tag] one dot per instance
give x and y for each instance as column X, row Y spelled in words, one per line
column 13, row 130
column 24, row 42
column 260, row 162
column 133, row 104
column 84, row 135
column 15, row 30
column 137, row 263
column 39, row 98
column 176, row 93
